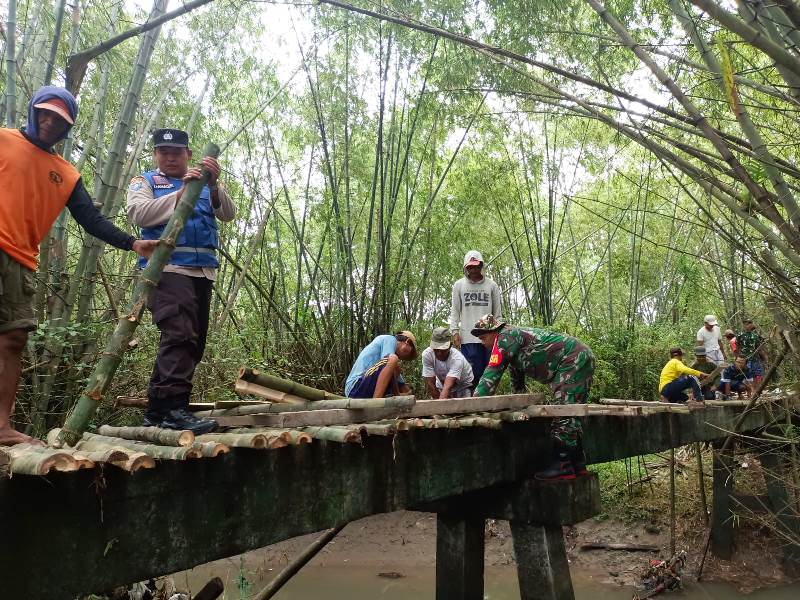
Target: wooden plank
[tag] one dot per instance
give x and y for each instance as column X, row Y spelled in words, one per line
column 422, row 408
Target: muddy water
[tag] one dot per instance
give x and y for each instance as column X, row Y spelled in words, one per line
column 364, row 583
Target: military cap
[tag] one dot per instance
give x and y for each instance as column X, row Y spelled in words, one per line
column 487, row 324
column 441, row 339
column 170, row 137
column 700, row 351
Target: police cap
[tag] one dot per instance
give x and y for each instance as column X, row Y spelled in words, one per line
column 170, row 137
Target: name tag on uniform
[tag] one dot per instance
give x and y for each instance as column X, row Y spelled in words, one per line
column 161, row 183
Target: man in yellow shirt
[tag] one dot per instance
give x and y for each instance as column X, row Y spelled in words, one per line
column 676, row 377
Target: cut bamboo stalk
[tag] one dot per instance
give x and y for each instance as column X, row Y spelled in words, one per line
column 130, row 401
column 5, row 461
column 298, row 437
column 153, row 450
column 109, row 455
column 156, row 435
column 103, row 373
column 257, row 441
column 487, row 422
column 360, row 428
column 334, row 434
column 27, row 459
column 380, row 428
column 285, row 385
column 248, row 388
column 211, row 449
column 508, row 416
column 136, row 461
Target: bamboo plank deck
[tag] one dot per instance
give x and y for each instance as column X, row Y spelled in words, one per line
column 261, row 425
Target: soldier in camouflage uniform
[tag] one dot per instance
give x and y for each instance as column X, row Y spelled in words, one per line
column 562, row 361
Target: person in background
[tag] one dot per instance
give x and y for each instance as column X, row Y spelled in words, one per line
column 736, row 378
column 446, row 372
column 731, row 337
column 676, row 378
column 181, row 303
column 376, row 372
column 701, row 363
column 474, row 295
column 562, row 361
column 750, row 348
column 36, row 183
column 709, row 337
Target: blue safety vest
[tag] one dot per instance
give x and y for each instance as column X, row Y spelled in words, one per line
column 197, row 244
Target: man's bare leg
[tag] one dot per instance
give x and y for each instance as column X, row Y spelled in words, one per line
column 12, row 343
column 387, row 376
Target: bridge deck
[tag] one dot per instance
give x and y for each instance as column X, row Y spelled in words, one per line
column 68, row 533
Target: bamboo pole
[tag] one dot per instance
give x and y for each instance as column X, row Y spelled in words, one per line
column 28, row 459
column 258, row 441
column 298, row 438
column 211, row 449
column 334, row 434
column 285, row 385
column 5, row 460
column 136, row 461
column 293, row 567
column 701, row 479
column 157, row 435
column 486, row 422
column 103, row 373
column 11, row 66
column 153, row 450
column 248, row 388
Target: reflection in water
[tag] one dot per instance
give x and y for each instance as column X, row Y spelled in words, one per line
column 340, row 583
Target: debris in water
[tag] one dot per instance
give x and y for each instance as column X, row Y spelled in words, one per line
column 662, row 575
column 391, row 575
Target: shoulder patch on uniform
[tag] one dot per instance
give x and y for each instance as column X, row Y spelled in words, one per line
column 137, row 183
column 496, row 357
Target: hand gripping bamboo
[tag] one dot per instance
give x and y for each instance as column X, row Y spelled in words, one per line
column 103, row 373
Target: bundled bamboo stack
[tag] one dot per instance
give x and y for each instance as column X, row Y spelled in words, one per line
column 128, row 459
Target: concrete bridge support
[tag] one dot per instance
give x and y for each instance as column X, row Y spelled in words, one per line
column 536, row 511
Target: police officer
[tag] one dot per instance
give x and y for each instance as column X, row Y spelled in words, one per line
column 180, row 305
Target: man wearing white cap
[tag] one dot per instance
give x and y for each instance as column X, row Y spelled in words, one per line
column 445, row 370
column 710, row 338
column 473, row 296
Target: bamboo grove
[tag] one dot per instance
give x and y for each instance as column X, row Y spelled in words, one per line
column 625, row 168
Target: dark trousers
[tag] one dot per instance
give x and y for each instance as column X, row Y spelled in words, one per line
column 674, row 390
column 180, row 307
column 478, row 357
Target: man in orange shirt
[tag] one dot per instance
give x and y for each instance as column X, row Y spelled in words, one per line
column 35, row 185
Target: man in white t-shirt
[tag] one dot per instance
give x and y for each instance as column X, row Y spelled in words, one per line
column 710, row 338
column 446, row 372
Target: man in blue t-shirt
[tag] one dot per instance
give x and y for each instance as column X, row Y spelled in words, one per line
column 376, row 371
column 736, row 378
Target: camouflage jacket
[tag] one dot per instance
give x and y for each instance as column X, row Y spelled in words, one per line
column 527, row 351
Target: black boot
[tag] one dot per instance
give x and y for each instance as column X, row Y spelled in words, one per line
column 578, row 459
column 559, row 468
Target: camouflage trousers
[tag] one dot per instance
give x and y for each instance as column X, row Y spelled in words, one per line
column 571, row 385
